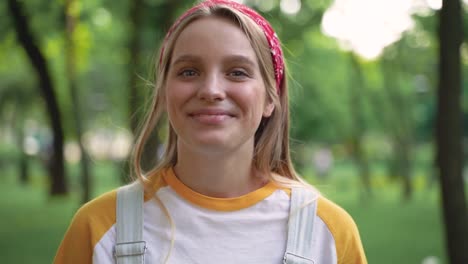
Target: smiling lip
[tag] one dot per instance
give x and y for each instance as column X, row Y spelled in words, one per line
column 211, row 116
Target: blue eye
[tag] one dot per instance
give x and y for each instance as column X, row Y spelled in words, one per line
column 238, row 73
column 188, row 73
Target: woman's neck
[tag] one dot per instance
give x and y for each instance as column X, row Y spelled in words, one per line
column 223, row 175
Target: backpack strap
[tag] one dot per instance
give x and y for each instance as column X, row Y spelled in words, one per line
column 130, row 247
column 300, row 227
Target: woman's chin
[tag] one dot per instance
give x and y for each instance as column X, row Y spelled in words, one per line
column 216, row 145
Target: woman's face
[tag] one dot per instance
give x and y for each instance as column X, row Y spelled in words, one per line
column 215, row 93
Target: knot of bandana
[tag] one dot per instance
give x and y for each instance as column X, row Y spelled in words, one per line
column 272, row 38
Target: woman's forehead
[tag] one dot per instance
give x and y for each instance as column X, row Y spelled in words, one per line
column 212, row 36
column 218, row 28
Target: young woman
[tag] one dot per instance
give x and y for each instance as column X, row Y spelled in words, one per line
column 222, row 190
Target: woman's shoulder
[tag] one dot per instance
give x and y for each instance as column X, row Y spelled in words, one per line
column 95, row 217
column 101, row 207
column 343, row 229
column 333, row 214
column 88, row 226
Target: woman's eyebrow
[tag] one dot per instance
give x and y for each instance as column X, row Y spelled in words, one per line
column 228, row 59
column 240, row 59
column 186, row 58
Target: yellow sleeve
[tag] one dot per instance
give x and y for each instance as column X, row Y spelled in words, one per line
column 88, row 226
column 345, row 232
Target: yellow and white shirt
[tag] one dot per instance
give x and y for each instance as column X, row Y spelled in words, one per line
column 248, row 229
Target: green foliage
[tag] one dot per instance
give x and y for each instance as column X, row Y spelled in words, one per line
column 319, row 71
column 319, row 90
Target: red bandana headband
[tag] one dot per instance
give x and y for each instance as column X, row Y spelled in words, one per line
column 273, row 41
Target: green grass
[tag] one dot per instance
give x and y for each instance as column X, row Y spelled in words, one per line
column 31, row 226
column 392, row 231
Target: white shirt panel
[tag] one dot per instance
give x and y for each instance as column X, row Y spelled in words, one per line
column 256, row 234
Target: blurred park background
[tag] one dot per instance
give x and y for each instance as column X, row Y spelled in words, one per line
column 365, row 86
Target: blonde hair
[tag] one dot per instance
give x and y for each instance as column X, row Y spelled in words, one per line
column 271, row 149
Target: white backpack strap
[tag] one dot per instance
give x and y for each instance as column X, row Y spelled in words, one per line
column 300, row 227
column 130, row 247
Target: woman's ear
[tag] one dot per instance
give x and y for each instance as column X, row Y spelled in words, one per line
column 268, row 110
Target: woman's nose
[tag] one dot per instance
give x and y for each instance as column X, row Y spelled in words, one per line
column 211, row 88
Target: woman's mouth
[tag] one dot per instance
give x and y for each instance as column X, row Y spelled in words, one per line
column 211, row 116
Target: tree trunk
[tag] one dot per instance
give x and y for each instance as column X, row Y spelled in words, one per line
column 24, row 168
column 399, row 125
column 135, row 98
column 448, row 132
column 56, row 164
column 71, row 74
column 358, row 127
column 23, row 163
column 405, row 167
